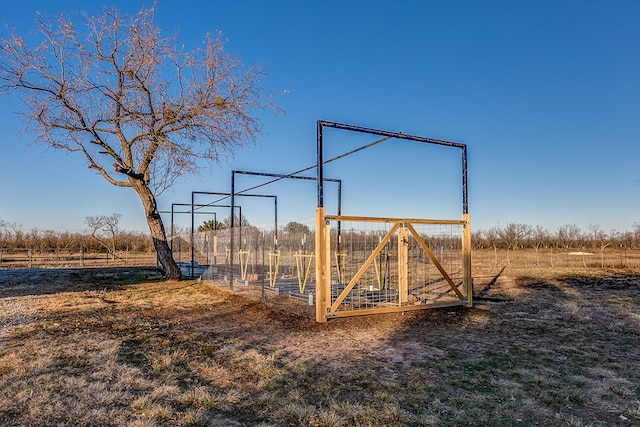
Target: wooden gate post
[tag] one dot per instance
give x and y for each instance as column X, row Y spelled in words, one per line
column 466, row 260
column 403, row 266
column 323, row 267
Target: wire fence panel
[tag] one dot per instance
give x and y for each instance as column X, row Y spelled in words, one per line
column 374, row 265
column 379, row 265
column 261, row 264
column 20, row 258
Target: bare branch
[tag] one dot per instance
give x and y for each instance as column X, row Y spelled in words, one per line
column 142, row 113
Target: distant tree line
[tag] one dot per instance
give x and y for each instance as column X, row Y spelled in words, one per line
column 103, row 235
column 512, row 236
column 515, row 236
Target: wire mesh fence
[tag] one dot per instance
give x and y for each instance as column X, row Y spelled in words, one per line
column 259, row 263
column 382, row 265
column 385, row 264
column 20, row 258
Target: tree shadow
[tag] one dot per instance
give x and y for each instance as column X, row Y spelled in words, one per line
column 23, row 282
column 537, row 354
column 564, row 345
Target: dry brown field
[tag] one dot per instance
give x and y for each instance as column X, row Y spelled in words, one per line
column 547, row 343
column 71, row 258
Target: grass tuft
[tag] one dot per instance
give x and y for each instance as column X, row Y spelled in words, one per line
column 201, row 398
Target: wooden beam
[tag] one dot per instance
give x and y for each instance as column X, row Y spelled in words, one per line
column 274, row 262
column 393, row 220
column 383, row 310
column 339, row 262
column 323, row 266
column 403, row 266
column 466, row 259
column 244, row 263
column 303, row 266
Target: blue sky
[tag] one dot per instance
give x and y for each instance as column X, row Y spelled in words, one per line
column 545, row 94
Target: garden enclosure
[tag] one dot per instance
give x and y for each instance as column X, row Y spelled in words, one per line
column 335, row 264
column 374, row 264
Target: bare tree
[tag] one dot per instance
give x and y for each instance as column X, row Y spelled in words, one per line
column 141, row 111
column 636, row 234
column 238, row 220
column 568, row 235
column 600, row 239
column 107, row 224
column 515, row 234
column 493, row 238
column 110, row 225
column 539, row 236
column 4, row 235
column 96, row 224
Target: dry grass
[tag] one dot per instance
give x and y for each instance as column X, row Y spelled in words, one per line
column 89, row 348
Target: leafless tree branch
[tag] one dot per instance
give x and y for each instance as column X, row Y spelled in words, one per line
column 142, row 113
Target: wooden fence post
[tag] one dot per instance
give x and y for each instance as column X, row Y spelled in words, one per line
column 466, row 260
column 403, row 266
column 323, row 267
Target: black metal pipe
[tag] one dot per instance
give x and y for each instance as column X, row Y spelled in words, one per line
column 232, row 219
column 275, row 230
column 192, row 212
column 232, row 207
column 193, row 217
column 321, row 123
column 280, row 175
column 231, row 231
column 465, row 182
column 319, row 163
column 398, row 135
column 289, row 176
column 228, row 195
column 339, row 222
column 171, row 243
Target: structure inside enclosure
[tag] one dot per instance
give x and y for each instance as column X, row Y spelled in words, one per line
column 334, row 264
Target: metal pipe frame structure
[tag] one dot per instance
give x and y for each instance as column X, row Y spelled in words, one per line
column 231, row 222
column 324, row 305
column 192, row 205
column 285, row 176
column 282, row 176
column 172, row 212
column 320, row 160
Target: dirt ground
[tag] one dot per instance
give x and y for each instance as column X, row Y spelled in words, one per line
column 119, row 347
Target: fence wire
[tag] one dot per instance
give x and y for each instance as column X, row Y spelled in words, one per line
column 280, row 267
column 354, row 243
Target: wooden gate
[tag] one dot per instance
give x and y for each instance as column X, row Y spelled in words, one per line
column 401, row 272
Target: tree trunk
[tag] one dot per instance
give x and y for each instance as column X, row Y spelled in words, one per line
column 165, row 257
